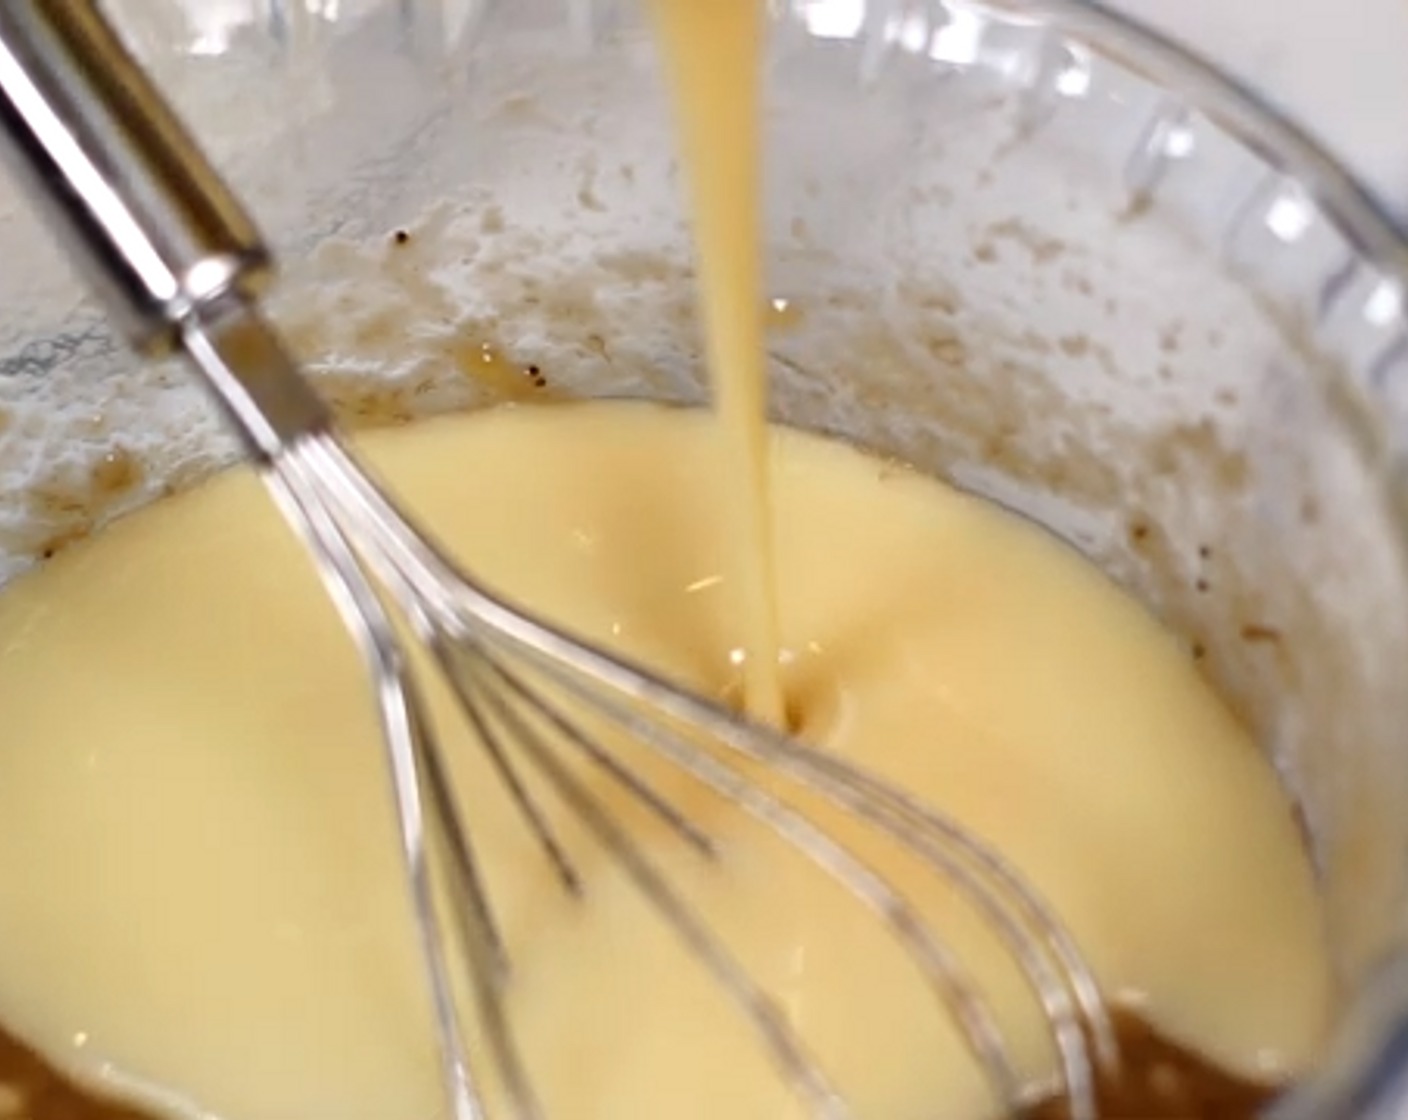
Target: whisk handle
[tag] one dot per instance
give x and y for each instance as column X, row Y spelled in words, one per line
column 124, row 185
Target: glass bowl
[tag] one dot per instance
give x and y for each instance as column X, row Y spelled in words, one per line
column 1021, row 244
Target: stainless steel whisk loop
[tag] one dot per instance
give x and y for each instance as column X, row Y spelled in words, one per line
column 180, row 267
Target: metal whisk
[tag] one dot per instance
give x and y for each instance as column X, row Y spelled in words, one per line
column 181, row 266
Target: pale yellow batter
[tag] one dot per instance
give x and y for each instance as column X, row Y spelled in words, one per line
column 199, row 881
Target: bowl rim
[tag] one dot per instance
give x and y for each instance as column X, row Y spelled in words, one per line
column 1240, row 109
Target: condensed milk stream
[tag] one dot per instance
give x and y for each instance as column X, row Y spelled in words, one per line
column 202, row 899
column 713, row 55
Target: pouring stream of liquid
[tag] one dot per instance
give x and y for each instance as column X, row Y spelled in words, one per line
column 713, row 52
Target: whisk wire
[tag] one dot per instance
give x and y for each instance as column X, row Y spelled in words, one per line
column 471, row 910
column 923, row 827
column 458, row 671
column 459, row 846
column 659, row 806
column 788, row 1051
column 403, row 735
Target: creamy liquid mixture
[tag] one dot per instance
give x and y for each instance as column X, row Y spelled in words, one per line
column 199, row 879
column 200, row 882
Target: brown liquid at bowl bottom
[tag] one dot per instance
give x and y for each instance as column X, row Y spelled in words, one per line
column 1161, row 1081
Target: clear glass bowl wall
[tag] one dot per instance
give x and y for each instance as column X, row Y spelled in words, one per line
column 1020, row 245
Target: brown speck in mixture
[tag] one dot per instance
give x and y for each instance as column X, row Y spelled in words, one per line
column 946, row 348
column 1199, row 651
column 492, row 220
column 1138, row 532
column 938, row 299
column 1202, row 586
column 1136, row 206
column 1256, row 633
column 5, row 419
column 401, row 237
column 1074, row 345
column 1042, row 247
column 519, row 106
column 1205, row 552
column 116, row 473
column 494, row 372
column 76, row 530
